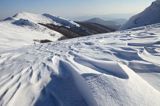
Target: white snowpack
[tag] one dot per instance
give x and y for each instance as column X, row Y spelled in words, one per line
column 114, row 69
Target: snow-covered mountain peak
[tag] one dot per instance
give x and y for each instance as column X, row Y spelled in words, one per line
column 150, row 15
column 45, row 19
column 62, row 21
column 37, row 18
column 22, row 14
column 24, row 29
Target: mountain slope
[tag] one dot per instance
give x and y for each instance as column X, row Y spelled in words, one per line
column 47, row 28
column 151, row 15
column 17, row 33
column 35, row 32
column 120, row 68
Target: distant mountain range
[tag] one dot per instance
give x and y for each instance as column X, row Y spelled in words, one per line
column 106, row 17
column 113, row 24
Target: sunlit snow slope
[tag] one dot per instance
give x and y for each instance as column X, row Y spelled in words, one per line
column 12, row 35
column 24, row 28
column 115, row 69
column 150, row 15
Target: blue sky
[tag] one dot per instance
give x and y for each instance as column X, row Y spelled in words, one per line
column 72, row 8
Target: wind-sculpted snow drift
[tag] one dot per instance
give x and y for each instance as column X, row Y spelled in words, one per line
column 121, row 68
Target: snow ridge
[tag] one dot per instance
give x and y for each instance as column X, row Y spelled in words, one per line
column 46, row 19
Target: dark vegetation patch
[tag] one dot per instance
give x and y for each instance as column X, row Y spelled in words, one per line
column 85, row 29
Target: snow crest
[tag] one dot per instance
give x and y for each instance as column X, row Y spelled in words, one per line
column 46, row 19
